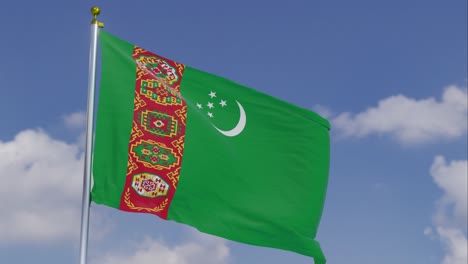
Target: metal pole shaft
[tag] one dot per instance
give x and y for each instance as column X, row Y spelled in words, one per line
column 89, row 145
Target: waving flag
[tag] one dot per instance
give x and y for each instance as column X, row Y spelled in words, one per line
column 198, row 149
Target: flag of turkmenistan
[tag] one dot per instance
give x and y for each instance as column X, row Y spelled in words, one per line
column 201, row 150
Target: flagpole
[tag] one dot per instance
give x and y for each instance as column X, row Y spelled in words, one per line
column 95, row 25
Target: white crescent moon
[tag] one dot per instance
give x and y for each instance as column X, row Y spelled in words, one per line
column 239, row 127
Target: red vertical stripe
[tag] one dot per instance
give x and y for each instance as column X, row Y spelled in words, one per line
column 157, row 138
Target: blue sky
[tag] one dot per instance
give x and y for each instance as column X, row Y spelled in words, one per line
column 391, row 76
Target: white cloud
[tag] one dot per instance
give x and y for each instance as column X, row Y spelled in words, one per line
column 41, row 188
column 75, row 120
column 323, row 111
column 453, row 180
column 200, row 249
column 411, row 121
column 450, row 216
column 456, row 245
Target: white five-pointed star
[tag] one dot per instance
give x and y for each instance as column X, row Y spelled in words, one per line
column 212, row 94
column 210, row 114
column 223, row 103
column 199, row 106
column 210, row 105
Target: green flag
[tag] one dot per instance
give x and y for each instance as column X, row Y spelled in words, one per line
column 201, row 150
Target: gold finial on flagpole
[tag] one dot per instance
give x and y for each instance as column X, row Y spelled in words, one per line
column 95, row 11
